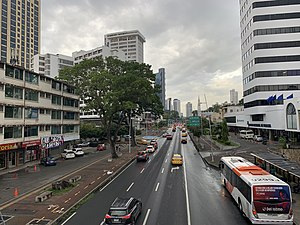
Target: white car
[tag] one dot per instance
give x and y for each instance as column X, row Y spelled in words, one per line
column 150, row 149
column 78, row 151
column 68, row 154
column 258, row 138
column 84, row 144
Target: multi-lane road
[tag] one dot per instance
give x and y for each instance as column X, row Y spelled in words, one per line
column 190, row 194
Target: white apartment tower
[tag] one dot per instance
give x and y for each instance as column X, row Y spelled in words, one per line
column 50, row 64
column 176, row 105
column 270, row 34
column 189, row 109
column 234, row 98
column 131, row 42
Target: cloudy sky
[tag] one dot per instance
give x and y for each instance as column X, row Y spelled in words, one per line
column 196, row 41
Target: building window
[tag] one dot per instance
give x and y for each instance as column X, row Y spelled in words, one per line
column 31, row 95
column 31, row 113
column 13, row 92
column 14, row 72
column 13, row 112
column 56, row 100
column 55, row 129
column 12, row 132
column 291, row 117
column 55, row 115
column 69, row 115
column 31, row 131
column 56, row 85
column 31, row 78
column 69, row 129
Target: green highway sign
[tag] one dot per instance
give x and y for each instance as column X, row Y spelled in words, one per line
column 194, row 121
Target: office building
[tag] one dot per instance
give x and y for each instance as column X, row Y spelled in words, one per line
column 234, row 98
column 20, row 31
column 131, row 42
column 168, row 104
column 189, row 109
column 38, row 116
column 160, row 79
column 50, row 64
column 176, row 105
column 270, row 47
column 103, row 51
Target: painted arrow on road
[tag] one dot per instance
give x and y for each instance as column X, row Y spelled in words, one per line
column 174, row 168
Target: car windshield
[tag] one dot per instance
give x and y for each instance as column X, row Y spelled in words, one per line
column 117, row 212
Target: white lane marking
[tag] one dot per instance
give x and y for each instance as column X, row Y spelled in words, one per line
column 163, row 169
column 149, row 160
column 102, row 223
column 168, row 153
column 142, row 170
column 68, row 218
column 157, row 187
column 187, row 197
column 146, row 217
column 166, row 160
column 130, row 186
column 92, row 182
column 116, row 177
column 174, row 168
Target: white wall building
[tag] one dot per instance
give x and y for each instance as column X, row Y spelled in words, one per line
column 189, row 109
column 103, row 51
column 131, row 42
column 234, row 97
column 50, row 64
column 37, row 115
column 176, row 105
column 270, row 35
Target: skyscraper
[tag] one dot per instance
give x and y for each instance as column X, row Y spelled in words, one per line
column 20, row 31
column 189, row 109
column 234, row 98
column 176, row 105
column 168, row 104
column 160, row 82
column 270, row 59
column 131, row 42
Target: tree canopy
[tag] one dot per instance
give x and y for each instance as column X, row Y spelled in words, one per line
column 115, row 90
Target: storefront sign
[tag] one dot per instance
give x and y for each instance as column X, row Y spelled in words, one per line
column 52, row 141
column 26, row 144
column 5, row 147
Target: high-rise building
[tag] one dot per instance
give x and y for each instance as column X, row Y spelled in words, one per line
column 234, row 98
column 160, row 82
column 176, row 105
column 50, row 64
column 168, row 104
column 131, row 42
column 20, row 31
column 103, row 51
column 189, row 109
column 270, row 46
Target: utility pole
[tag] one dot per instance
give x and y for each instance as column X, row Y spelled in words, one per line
column 199, row 114
column 212, row 153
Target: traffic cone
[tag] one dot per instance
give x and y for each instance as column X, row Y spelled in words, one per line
column 16, row 193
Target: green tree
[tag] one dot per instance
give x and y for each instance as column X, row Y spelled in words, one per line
column 115, row 90
column 224, row 131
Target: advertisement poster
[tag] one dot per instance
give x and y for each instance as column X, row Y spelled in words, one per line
column 271, row 199
column 52, row 141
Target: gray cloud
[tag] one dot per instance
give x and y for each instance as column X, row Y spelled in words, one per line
column 197, row 41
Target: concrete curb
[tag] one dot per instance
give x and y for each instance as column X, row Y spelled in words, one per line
column 61, row 218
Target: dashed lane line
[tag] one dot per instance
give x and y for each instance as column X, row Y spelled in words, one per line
column 77, row 193
column 142, row 170
column 93, row 182
column 146, row 217
column 157, row 187
column 163, row 169
column 130, row 186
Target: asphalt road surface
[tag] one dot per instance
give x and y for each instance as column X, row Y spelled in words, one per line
column 190, row 194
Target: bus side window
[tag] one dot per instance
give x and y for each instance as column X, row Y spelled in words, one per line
column 221, row 165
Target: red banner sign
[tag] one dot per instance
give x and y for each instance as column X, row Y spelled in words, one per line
column 26, row 144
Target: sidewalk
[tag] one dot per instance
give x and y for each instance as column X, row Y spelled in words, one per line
column 25, row 210
column 213, row 160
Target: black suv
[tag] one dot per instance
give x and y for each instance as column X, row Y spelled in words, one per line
column 123, row 211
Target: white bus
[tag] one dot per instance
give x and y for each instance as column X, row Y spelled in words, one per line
column 246, row 134
column 260, row 196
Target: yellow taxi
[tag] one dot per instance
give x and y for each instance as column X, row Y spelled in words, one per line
column 177, row 159
column 142, row 141
column 184, row 135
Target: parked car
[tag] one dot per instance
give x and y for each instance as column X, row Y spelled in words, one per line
column 258, row 138
column 101, row 147
column 123, row 211
column 84, row 144
column 68, row 154
column 78, row 151
column 142, row 156
column 48, row 161
column 150, row 149
column 164, row 135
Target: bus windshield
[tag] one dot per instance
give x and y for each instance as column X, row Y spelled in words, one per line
column 271, row 199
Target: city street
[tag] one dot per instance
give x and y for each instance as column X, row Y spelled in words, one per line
column 191, row 194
